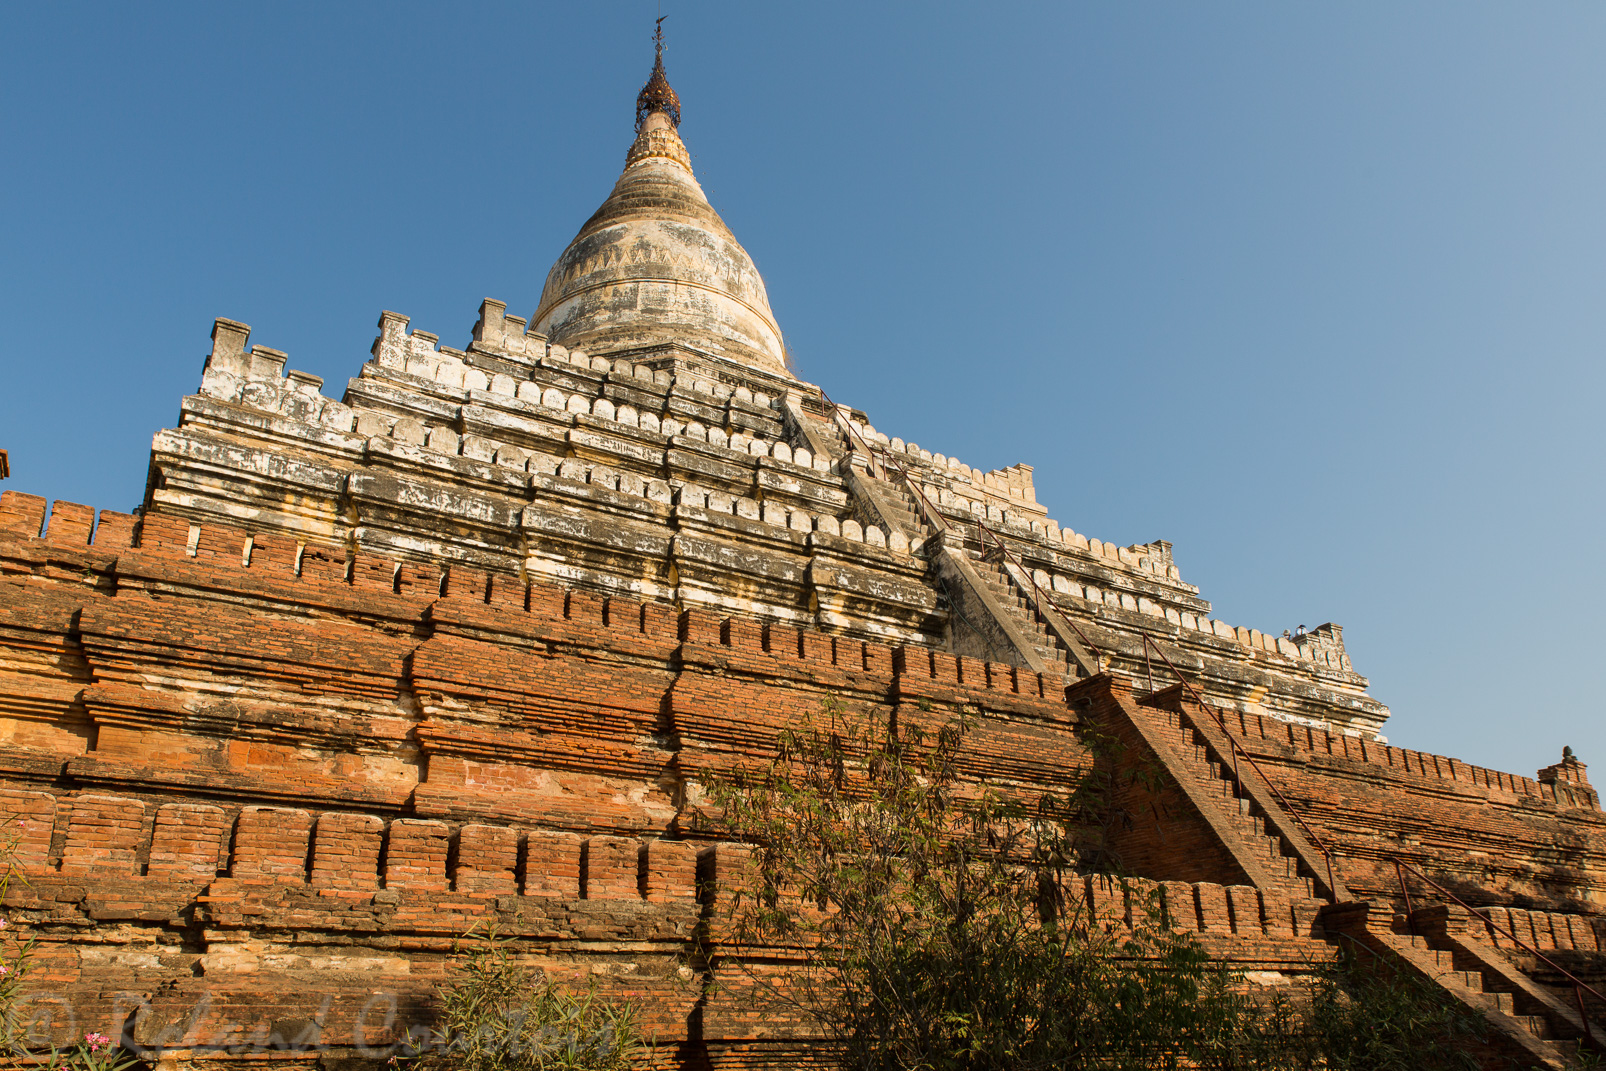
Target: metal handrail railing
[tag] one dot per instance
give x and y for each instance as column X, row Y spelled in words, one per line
column 1238, row 749
column 847, row 426
column 1580, row 987
column 925, row 503
column 1043, row 598
column 1148, row 643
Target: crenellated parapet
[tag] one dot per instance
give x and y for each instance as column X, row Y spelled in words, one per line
column 668, row 475
column 271, row 780
column 515, row 455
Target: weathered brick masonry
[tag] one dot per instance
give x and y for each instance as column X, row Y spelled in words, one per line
column 281, row 791
column 258, row 801
column 1536, row 842
column 461, row 647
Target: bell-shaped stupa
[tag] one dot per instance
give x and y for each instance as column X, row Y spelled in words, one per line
column 655, row 264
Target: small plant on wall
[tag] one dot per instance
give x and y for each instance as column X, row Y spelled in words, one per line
column 16, row 954
column 93, row 1051
column 499, row 1015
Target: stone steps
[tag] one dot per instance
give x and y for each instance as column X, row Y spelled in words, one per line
column 1491, row 992
column 1218, row 782
column 1043, row 641
column 907, row 510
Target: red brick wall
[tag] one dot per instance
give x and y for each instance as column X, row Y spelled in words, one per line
column 322, row 772
column 1490, row 836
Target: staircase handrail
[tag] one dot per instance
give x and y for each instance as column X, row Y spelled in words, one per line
column 1580, row 987
column 1043, row 598
column 847, row 426
column 872, row 455
column 1238, row 749
column 928, row 512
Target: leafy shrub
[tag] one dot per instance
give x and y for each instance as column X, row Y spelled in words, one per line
column 498, row 1015
column 1363, row 1018
column 943, row 926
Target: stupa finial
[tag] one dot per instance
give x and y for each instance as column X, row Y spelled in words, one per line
column 657, row 95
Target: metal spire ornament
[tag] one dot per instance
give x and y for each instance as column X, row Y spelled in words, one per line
column 657, row 95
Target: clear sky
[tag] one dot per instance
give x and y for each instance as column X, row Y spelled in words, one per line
column 1313, row 291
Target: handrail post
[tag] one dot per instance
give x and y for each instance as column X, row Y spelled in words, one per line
column 1583, row 1014
column 1399, row 872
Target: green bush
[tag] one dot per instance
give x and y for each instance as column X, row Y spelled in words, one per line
column 498, row 1015
column 1362, row 1018
column 942, row 926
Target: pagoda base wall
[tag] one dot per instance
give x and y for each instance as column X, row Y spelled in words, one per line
column 268, row 788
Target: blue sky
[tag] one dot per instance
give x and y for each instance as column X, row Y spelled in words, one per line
column 1312, row 291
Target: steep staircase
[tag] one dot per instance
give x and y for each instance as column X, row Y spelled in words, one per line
column 904, row 509
column 1023, row 613
column 1214, row 773
column 1436, row 943
column 1527, row 1021
column 1006, row 622
column 1027, row 616
column 1493, row 992
column 1283, row 856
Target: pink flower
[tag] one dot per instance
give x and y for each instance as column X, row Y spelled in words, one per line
column 96, row 1041
column 4, row 969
